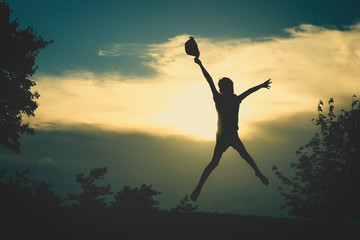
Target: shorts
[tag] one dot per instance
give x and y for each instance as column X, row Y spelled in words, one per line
column 225, row 140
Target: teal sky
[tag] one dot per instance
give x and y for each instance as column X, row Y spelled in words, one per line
column 93, row 39
column 80, row 28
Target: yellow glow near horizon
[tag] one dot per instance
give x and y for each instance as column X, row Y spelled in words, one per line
column 315, row 63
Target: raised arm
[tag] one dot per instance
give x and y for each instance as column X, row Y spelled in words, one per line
column 265, row 84
column 208, row 77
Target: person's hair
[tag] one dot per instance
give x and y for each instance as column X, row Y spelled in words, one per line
column 225, row 83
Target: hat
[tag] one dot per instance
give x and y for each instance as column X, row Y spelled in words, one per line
column 191, row 48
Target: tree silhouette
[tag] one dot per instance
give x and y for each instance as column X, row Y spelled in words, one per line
column 23, row 191
column 185, row 206
column 19, row 50
column 325, row 186
column 136, row 199
column 92, row 195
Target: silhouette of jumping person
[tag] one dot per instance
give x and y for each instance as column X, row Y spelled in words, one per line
column 227, row 106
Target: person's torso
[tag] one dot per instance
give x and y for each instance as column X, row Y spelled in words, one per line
column 227, row 108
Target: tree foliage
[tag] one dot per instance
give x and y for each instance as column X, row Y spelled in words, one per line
column 92, row 195
column 325, row 185
column 24, row 191
column 136, row 199
column 19, row 50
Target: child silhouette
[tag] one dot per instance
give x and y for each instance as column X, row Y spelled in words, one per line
column 227, row 106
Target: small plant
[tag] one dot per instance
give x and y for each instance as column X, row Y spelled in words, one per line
column 185, row 206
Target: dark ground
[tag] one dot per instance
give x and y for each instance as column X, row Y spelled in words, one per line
column 77, row 223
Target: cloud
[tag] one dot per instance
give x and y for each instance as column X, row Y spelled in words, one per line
column 46, row 160
column 124, row 49
column 312, row 63
column 108, row 101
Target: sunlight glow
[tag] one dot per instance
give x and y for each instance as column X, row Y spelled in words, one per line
column 192, row 114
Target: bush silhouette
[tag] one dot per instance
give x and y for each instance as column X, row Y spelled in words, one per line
column 92, row 195
column 19, row 50
column 185, row 206
column 136, row 199
column 325, row 186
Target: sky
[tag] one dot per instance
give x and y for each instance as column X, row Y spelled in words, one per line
column 118, row 90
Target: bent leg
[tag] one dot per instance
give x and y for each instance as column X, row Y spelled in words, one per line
column 220, row 148
column 240, row 148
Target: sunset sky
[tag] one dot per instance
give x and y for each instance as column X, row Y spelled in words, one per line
column 118, row 90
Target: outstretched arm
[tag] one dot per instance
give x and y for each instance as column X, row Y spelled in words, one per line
column 265, row 84
column 207, row 76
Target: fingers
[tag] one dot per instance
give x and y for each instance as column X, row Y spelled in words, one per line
column 268, row 81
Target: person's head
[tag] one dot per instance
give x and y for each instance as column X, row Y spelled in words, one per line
column 226, row 86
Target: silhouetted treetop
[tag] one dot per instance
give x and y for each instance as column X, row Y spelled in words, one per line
column 22, row 191
column 19, row 50
column 92, row 195
column 326, row 182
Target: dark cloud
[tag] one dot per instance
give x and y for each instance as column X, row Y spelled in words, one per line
column 171, row 164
